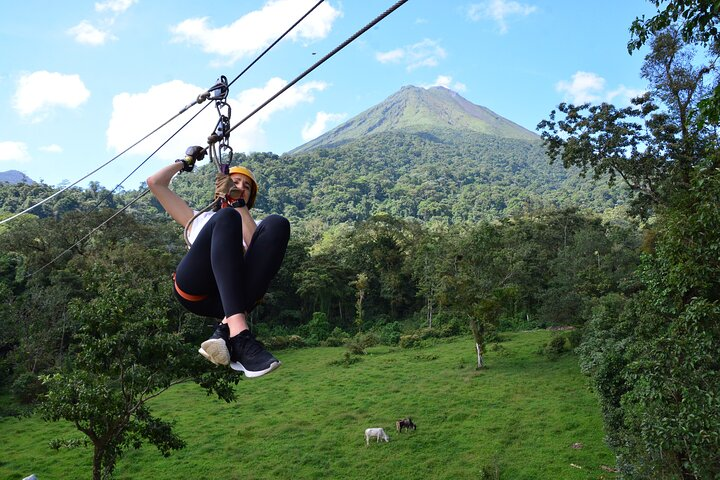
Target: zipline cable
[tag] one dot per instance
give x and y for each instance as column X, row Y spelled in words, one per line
column 277, row 40
column 96, row 170
column 322, row 60
column 199, row 100
column 148, row 157
column 88, row 234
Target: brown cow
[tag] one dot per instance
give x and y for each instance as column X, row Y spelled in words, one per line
column 405, row 423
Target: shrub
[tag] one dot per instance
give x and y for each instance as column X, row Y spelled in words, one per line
column 555, row 347
column 360, row 342
column 338, row 337
column 409, row 341
column 281, row 342
column 574, row 337
column 347, row 360
column 448, row 322
column 518, row 323
column 390, row 333
column 318, row 326
column 69, row 443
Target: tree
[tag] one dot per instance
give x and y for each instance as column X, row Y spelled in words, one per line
column 361, row 285
column 652, row 149
column 424, row 261
column 378, row 248
column 482, row 265
column 651, row 356
column 697, row 21
column 323, row 282
column 126, row 353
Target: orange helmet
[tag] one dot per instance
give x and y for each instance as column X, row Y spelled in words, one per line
column 254, row 187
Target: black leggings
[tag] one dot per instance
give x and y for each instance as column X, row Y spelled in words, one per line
column 216, row 268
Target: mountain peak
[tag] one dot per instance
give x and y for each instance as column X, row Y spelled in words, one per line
column 417, row 109
column 14, row 176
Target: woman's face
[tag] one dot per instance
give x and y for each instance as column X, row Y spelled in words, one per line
column 242, row 183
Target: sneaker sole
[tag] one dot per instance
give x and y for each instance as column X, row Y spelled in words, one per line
column 238, row 367
column 216, row 351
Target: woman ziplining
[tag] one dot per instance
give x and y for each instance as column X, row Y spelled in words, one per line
column 231, row 260
column 229, row 265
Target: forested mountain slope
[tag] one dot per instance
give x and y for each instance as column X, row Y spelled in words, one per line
column 415, row 109
column 422, row 153
column 454, row 175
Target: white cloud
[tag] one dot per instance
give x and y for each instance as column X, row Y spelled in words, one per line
column 54, row 148
column 14, row 151
column 256, row 30
column 447, row 82
column 135, row 115
column 426, row 53
column 623, row 95
column 584, row 87
column 87, row 34
column 499, row 11
column 393, row 56
column 588, row 87
column 320, row 125
column 115, row 6
column 39, row 91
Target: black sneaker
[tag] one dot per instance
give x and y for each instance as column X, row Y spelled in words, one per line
column 215, row 348
column 249, row 356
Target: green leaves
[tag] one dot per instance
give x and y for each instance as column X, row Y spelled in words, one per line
column 653, row 358
column 125, row 352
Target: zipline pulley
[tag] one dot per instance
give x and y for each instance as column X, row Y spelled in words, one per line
column 219, row 141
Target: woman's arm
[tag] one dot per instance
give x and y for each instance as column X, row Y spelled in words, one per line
column 159, row 184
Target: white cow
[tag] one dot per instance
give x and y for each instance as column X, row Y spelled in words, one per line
column 377, row 433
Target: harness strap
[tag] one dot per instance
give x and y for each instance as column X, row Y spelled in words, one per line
column 187, row 296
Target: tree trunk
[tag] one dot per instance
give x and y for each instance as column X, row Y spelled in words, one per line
column 479, row 336
column 429, row 311
column 480, row 360
column 97, row 462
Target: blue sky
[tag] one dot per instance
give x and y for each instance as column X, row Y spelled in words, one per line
column 81, row 81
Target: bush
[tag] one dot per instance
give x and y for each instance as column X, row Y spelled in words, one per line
column 69, row 443
column 347, row 360
column 449, row 322
column 574, row 337
column 450, row 330
column 555, row 347
column 282, row 342
column 318, row 326
column 337, row 338
column 410, row 341
column 519, row 323
column 390, row 334
column 360, row 342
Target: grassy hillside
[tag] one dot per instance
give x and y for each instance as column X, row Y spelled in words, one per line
column 520, row 417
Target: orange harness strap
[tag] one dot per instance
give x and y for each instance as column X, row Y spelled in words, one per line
column 187, row 296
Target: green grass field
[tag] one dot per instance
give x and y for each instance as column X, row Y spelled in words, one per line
column 519, row 417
